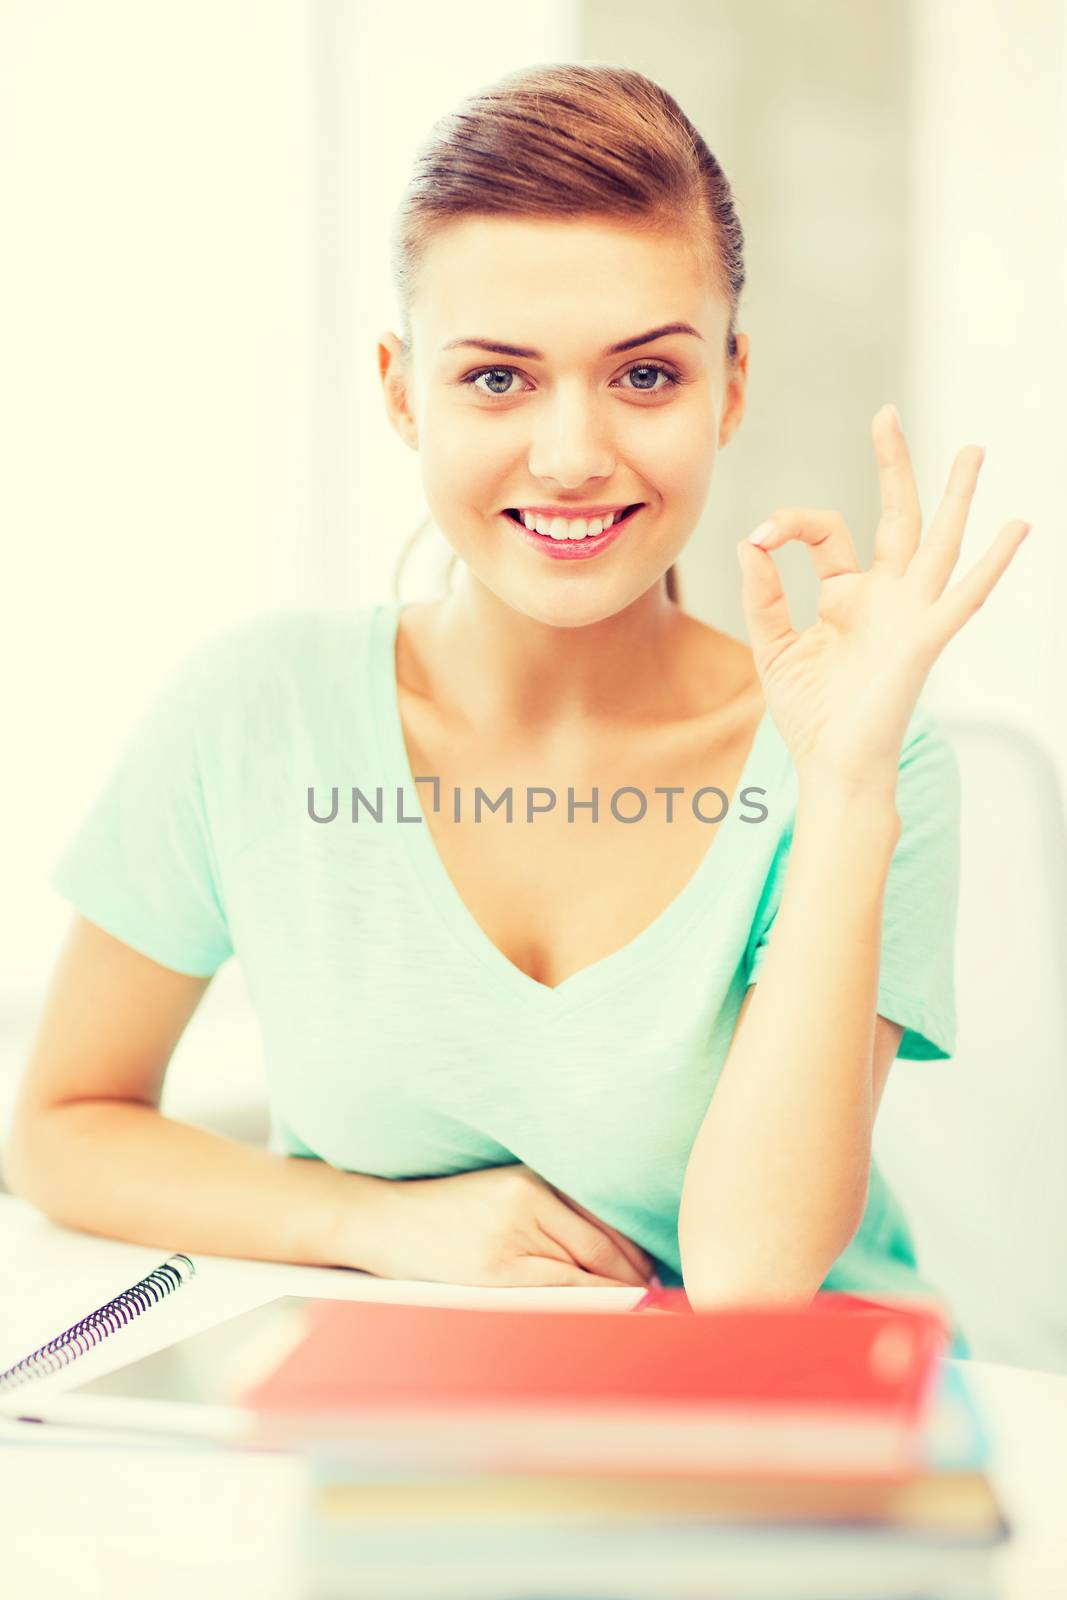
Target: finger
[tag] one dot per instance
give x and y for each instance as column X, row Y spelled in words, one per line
column 528, row 1270
column 640, row 1259
column 632, row 1251
column 897, row 536
column 770, row 627
column 959, row 603
column 939, row 551
column 586, row 1243
column 824, row 532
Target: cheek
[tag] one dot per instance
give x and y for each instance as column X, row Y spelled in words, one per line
column 678, row 459
column 698, row 467
column 461, row 483
column 460, row 460
column 679, row 432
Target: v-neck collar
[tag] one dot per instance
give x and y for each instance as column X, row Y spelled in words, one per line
column 703, row 887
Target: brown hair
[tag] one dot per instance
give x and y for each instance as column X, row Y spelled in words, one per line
column 569, row 140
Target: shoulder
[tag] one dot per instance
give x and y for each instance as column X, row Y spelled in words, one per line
column 929, row 805
column 273, row 648
column 274, row 695
column 928, row 761
column 259, row 638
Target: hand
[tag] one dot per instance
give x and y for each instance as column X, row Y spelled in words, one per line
column 503, row 1226
column 842, row 692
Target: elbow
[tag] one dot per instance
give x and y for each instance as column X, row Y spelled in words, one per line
column 710, row 1290
column 780, row 1273
column 16, row 1165
column 23, row 1164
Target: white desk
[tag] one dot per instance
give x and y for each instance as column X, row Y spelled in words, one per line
column 83, row 1521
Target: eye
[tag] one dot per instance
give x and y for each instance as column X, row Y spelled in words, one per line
column 652, row 367
column 490, row 372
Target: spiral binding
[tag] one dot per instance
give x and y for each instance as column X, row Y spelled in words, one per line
column 107, row 1319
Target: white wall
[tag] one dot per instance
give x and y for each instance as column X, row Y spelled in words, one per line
column 988, row 156
column 154, row 317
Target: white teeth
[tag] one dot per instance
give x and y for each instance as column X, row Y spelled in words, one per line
column 568, row 527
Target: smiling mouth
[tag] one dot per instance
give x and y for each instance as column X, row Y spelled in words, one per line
column 516, row 516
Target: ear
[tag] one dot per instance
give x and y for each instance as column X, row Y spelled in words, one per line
column 736, row 382
column 395, row 383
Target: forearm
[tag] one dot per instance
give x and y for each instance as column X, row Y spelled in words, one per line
column 124, row 1170
column 777, row 1177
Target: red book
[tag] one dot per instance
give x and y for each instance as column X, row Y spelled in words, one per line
column 837, row 1389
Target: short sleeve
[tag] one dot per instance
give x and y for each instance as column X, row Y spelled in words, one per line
column 916, row 976
column 142, row 862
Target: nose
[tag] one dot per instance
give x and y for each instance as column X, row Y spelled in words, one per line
column 571, row 443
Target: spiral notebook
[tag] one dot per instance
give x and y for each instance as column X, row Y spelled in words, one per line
column 173, row 1375
column 107, row 1319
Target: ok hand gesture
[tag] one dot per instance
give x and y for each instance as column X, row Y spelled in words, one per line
column 842, row 692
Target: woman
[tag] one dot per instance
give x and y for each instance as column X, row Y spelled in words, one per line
column 547, row 1023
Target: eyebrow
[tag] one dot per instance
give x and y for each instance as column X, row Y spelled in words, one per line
column 495, row 347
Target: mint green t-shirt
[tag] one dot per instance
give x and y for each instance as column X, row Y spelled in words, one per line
column 397, row 1039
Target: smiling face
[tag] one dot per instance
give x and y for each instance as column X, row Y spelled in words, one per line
column 564, row 418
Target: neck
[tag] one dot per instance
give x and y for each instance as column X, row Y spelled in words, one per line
column 503, row 669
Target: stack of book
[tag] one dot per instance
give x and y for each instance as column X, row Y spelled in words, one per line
column 749, row 1454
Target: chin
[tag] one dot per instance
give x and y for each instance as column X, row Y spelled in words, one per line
column 569, row 605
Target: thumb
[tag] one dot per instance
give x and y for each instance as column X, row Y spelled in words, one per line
column 766, row 610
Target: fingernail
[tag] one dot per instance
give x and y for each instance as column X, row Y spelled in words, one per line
column 895, row 414
column 654, row 1282
column 761, row 534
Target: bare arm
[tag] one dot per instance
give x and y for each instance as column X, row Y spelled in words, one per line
column 777, row 1177
column 89, row 1146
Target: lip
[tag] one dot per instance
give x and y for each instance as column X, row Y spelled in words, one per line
column 572, row 549
column 575, row 511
